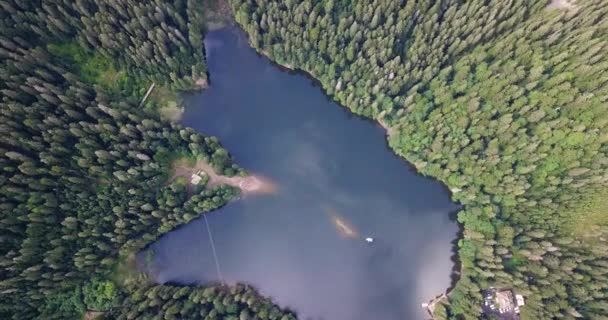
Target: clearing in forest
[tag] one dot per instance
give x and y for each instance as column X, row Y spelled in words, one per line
column 590, row 216
column 192, row 172
column 91, row 315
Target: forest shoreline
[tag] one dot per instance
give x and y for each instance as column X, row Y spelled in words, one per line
column 457, row 268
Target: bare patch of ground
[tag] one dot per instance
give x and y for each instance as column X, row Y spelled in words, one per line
column 430, row 306
column 90, row 315
column 218, row 14
column 389, row 131
column 202, row 83
column 172, row 111
column 563, row 4
column 252, row 184
column 284, row 65
column 166, row 102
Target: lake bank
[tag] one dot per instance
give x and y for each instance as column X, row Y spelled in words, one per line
column 390, row 131
column 289, row 245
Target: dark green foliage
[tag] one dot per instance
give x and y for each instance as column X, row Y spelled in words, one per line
column 63, row 305
column 83, row 181
column 171, row 302
column 504, row 101
column 160, row 41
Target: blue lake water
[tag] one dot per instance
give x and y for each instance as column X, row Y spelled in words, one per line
column 328, row 165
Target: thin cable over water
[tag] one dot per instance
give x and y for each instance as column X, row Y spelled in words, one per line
column 217, row 262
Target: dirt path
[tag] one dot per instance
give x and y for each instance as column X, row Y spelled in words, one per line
column 430, row 306
column 91, row 315
column 251, row 184
column 389, row 131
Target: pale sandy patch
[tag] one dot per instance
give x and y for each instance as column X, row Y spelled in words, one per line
column 251, row 184
column 172, row 111
column 389, row 131
column 202, row 83
column 563, row 4
column 284, row 65
column 91, row 315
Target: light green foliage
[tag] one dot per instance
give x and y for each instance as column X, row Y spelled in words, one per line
column 504, row 101
column 99, row 295
column 98, row 69
column 588, row 214
column 91, row 67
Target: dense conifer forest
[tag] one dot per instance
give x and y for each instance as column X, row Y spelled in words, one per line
column 504, row 101
column 85, row 168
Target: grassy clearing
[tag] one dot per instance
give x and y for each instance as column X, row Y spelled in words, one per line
column 591, row 214
column 175, row 159
column 182, row 161
column 95, row 68
column 185, row 160
column 92, row 67
column 181, row 181
column 166, row 102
